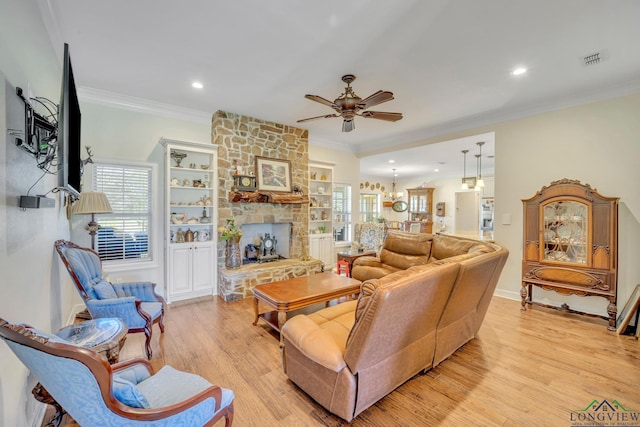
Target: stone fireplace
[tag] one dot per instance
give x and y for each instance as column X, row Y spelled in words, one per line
column 240, row 139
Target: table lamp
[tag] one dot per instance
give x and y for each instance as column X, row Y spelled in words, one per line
column 91, row 202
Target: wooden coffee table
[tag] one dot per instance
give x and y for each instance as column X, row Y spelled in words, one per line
column 293, row 294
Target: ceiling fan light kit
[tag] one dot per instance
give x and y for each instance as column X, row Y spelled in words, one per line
column 349, row 105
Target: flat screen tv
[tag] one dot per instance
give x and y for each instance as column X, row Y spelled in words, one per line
column 69, row 162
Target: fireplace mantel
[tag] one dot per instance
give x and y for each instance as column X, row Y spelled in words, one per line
column 267, row 197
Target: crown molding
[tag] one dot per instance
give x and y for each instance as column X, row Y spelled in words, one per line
column 412, row 139
column 325, row 143
column 131, row 103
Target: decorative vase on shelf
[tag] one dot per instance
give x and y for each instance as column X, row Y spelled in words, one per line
column 232, row 255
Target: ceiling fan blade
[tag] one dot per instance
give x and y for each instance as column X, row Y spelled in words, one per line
column 322, row 100
column 348, row 125
column 326, row 116
column 381, row 115
column 377, row 98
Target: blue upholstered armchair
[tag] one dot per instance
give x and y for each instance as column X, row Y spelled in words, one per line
column 136, row 303
column 95, row 393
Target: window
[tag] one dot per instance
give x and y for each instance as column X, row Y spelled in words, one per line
column 342, row 225
column 369, row 207
column 124, row 235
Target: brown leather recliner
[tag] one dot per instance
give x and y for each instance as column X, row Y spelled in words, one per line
column 348, row 356
column 399, row 252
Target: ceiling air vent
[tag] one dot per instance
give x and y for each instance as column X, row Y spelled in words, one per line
column 595, row 58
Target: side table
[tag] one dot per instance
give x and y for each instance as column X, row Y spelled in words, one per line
column 351, row 256
column 105, row 336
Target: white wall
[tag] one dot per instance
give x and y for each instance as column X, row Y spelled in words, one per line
column 346, row 170
column 125, row 135
column 595, row 143
column 33, row 288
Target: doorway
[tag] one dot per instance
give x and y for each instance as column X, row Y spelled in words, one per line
column 467, row 215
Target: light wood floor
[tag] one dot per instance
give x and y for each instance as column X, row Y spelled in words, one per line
column 525, row 369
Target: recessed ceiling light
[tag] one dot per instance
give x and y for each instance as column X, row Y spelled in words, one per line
column 519, row 71
column 392, row 161
column 436, row 170
column 197, row 85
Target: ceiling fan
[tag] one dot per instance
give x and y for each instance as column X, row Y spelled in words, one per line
column 349, row 105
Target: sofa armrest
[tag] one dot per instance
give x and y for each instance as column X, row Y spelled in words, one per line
column 367, row 261
column 314, row 342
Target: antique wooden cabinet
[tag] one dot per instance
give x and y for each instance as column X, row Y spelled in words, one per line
column 571, row 244
column 420, row 209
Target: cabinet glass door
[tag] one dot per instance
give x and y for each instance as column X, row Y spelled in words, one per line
column 564, row 234
column 413, row 203
column 422, row 203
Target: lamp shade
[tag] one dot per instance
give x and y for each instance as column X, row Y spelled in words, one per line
column 91, row 202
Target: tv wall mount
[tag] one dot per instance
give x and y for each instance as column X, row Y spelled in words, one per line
column 40, row 131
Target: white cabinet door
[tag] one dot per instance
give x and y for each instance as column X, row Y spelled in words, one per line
column 179, row 270
column 321, row 247
column 203, row 261
column 326, row 251
column 314, row 247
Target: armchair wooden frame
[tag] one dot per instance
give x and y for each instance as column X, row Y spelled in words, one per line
column 103, row 372
column 147, row 329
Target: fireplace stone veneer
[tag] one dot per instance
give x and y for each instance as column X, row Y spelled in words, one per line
column 240, row 139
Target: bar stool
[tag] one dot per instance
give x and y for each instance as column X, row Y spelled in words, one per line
column 343, row 267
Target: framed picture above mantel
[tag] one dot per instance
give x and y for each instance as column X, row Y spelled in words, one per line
column 273, row 175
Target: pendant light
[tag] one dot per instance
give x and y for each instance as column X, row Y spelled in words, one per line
column 394, row 194
column 477, row 187
column 464, row 186
column 480, row 182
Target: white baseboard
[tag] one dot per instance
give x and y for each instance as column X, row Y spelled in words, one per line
column 38, row 418
column 77, row 308
column 507, row 294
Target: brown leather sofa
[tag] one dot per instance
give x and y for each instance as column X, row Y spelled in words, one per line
column 403, row 250
column 349, row 356
column 399, row 251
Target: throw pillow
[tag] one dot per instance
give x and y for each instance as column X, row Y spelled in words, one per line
column 127, row 393
column 104, row 290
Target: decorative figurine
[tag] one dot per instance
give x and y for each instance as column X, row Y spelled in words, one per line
column 179, row 236
column 178, row 157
